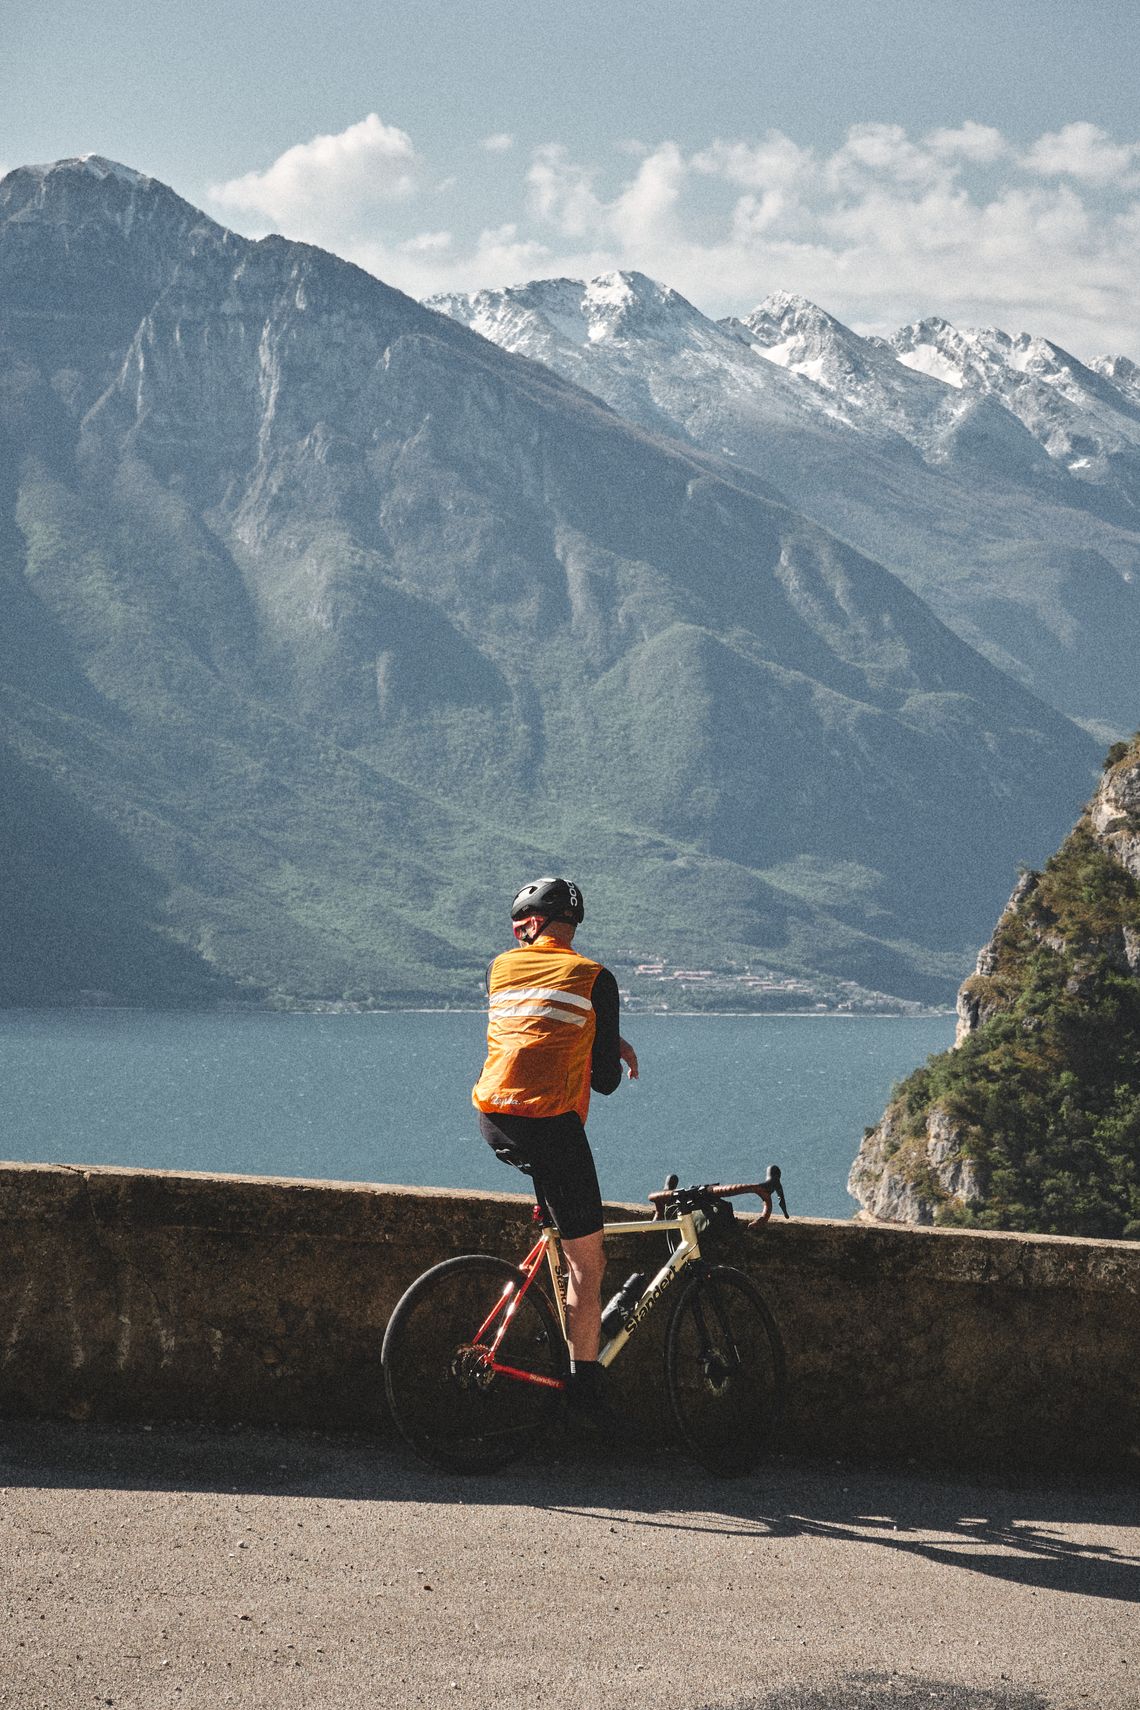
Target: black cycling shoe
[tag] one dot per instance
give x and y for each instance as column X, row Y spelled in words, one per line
column 587, row 1406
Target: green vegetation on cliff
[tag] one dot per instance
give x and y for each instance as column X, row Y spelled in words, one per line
column 1042, row 1095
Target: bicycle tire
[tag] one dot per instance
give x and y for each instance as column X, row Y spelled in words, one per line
column 444, row 1402
column 724, row 1370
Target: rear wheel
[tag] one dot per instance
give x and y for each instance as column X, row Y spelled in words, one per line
column 724, row 1370
column 447, row 1402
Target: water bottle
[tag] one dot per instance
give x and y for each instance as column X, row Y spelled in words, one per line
column 623, row 1302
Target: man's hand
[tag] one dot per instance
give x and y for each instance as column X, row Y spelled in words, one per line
column 629, row 1057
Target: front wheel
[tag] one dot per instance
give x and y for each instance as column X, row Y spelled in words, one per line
column 724, row 1370
column 447, row 1400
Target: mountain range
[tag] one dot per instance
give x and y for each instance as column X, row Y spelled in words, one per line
column 327, row 621
column 998, row 477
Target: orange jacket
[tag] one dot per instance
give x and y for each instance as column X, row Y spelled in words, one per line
column 541, row 1027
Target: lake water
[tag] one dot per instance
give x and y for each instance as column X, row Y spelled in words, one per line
column 386, row 1097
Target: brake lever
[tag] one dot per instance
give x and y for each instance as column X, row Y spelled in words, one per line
column 770, row 1188
column 774, row 1181
column 671, row 1182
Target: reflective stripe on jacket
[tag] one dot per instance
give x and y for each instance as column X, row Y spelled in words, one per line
column 540, row 1032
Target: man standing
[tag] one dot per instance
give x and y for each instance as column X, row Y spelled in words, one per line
column 552, row 1036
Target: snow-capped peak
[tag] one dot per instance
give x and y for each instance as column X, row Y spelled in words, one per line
column 626, row 290
column 979, row 355
column 930, row 347
column 788, row 309
column 616, row 305
column 1081, row 415
column 81, row 187
column 617, row 308
column 955, row 397
column 101, row 167
column 1122, row 371
column 798, row 335
column 93, row 166
column 987, row 358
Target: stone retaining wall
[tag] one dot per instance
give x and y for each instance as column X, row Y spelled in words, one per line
column 133, row 1294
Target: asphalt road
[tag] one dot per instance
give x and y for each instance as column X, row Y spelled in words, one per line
column 187, row 1568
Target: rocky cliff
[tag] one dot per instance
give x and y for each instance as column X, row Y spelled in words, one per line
column 1032, row 1121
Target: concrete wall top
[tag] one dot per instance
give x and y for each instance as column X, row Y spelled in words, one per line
column 355, row 1210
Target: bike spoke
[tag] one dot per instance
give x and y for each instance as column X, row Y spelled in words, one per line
column 447, row 1398
column 724, row 1370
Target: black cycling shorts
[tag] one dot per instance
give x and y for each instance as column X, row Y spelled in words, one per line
column 554, row 1152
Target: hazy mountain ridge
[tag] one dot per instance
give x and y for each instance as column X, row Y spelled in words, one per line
column 345, row 618
column 998, row 477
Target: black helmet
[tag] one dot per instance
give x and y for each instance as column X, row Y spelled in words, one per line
column 551, row 899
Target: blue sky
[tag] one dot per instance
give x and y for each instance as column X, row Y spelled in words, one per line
column 888, row 160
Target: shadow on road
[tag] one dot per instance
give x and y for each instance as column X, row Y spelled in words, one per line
column 1023, row 1535
column 882, row 1692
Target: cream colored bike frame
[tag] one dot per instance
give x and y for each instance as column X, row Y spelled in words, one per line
column 687, row 1250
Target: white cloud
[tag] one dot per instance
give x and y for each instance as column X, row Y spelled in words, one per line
column 883, row 229
column 776, row 163
column 332, row 184
column 561, row 193
column 502, row 254
column 755, row 215
column 643, row 212
column 971, row 141
column 1084, row 152
column 497, row 255
column 428, row 243
column 881, row 152
column 500, row 143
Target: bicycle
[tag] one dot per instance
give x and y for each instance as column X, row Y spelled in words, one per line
column 475, row 1358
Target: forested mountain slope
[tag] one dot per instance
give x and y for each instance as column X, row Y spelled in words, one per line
column 343, row 620
column 1033, row 1120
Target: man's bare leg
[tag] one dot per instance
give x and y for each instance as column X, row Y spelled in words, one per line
column 585, row 1264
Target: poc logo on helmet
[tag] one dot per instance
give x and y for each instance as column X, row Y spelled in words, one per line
column 549, row 899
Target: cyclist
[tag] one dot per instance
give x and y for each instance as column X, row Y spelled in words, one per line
column 552, row 1036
